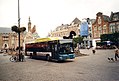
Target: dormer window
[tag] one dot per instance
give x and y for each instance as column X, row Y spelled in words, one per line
column 115, row 17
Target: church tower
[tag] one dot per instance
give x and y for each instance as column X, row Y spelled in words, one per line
column 29, row 25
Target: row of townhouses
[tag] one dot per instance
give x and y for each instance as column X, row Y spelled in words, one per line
column 103, row 24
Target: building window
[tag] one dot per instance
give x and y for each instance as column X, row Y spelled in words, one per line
column 99, row 28
column 104, row 31
column 99, row 20
column 112, row 27
column 104, row 27
column 95, row 35
column 118, row 28
column 95, row 28
column 5, row 38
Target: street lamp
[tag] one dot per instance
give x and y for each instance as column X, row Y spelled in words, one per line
column 18, row 30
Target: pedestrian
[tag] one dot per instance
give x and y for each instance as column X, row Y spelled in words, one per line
column 88, row 47
column 22, row 57
column 30, row 55
column 116, row 53
column 93, row 50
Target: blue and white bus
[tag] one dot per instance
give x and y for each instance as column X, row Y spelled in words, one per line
column 52, row 48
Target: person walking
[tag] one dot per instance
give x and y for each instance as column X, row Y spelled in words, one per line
column 116, row 53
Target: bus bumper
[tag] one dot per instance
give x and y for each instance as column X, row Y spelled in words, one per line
column 66, row 56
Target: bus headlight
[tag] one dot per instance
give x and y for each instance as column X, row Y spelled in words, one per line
column 60, row 58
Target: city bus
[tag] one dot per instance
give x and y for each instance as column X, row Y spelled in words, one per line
column 51, row 48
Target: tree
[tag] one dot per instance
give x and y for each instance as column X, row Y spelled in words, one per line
column 114, row 37
column 78, row 39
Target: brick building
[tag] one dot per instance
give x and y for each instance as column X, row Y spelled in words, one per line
column 99, row 27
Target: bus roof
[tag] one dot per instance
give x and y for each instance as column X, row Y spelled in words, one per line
column 61, row 40
column 47, row 39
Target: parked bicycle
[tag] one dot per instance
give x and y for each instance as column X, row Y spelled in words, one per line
column 14, row 58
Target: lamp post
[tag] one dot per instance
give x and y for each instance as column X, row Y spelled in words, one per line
column 19, row 32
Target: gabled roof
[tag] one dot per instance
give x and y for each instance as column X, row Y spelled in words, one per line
column 5, row 30
column 76, row 21
column 112, row 15
column 92, row 20
column 106, row 18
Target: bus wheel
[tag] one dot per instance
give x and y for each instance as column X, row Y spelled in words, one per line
column 48, row 58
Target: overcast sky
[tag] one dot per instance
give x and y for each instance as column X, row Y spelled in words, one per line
column 48, row 14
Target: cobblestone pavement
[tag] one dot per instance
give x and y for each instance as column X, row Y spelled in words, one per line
column 85, row 68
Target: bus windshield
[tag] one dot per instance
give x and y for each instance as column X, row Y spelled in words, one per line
column 66, row 48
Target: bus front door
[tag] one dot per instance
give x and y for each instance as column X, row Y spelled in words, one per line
column 54, row 51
